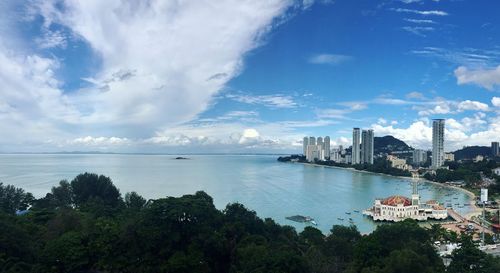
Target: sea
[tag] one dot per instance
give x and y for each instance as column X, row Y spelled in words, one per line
column 332, row 196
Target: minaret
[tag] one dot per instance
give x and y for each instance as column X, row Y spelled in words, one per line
column 415, row 198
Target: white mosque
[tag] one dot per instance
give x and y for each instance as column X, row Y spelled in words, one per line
column 398, row 208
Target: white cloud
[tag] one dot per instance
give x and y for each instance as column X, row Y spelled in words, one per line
column 382, row 121
column 51, row 39
column 100, row 141
column 440, row 108
column 332, row 59
column 487, row 78
column 422, row 12
column 420, row 31
column 162, row 64
column 419, row 133
column 415, row 95
column 472, row 105
column 420, row 21
column 332, row 113
column 274, row 101
column 495, row 101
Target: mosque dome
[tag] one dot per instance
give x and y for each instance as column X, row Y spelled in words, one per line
column 396, row 200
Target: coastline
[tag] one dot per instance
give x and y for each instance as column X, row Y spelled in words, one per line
column 475, row 209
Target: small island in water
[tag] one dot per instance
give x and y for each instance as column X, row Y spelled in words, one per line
column 301, row 219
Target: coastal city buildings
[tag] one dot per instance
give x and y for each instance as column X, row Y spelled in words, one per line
column 305, row 142
column 314, row 152
column 495, row 149
column 367, row 146
column 316, row 149
column 312, row 141
column 419, row 157
column 398, row 163
column 327, row 147
column 356, row 155
column 437, row 143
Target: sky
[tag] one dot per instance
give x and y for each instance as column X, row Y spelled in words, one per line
column 245, row 76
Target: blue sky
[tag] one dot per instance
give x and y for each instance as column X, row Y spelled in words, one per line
column 245, row 76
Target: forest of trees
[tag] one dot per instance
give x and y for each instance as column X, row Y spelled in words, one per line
column 86, row 225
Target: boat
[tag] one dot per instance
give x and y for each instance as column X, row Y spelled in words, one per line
column 313, row 222
column 356, row 211
column 348, row 213
column 341, row 219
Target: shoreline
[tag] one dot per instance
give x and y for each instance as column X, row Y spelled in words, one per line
column 475, row 209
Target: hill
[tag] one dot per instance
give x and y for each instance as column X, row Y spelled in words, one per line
column 388, row 144
column 471, row 152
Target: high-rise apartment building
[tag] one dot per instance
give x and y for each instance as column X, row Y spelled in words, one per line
column 437, row 143
column 327, row 147
column 315, row 152
column 312, row 141
column 367, row 146
column 305, row 142
column 495, row 149
column 419, row 157
column 319, row 141
column 355, row 146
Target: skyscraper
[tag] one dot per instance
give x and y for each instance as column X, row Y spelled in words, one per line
column 367, row 146
column 437, row 143
column 327, row 147
column 355, row 146
column 495, row 149
column 305, row 142
column 419, row 157
column 312, row 141
column 319, row 141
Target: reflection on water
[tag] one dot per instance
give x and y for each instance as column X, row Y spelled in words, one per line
column 271, row 188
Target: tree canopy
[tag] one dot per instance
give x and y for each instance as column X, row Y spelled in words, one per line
column 67, row 231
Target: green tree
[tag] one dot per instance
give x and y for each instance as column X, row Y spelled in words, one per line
column 134, row 201
column 13, row 199
column 97, row 188
column 468, row 258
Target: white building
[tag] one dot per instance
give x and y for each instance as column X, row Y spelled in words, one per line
column 449, row 157
column 367, row 146
column 495, row 149
column 356, row 155
column 478, row 158
column 397, row 162
column 437, row 143
column 312, row 141
column 315, row 152
column 305, row 142
column 496, row 171
column 319, row 141
column 327, row 147
column 419, row 157
column 335, row 155
column 398, row 208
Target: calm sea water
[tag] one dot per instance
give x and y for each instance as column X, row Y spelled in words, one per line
column 271, row 188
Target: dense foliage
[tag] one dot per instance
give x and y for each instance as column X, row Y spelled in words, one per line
column 471, row 152
column 86, row 226
column 389, row 144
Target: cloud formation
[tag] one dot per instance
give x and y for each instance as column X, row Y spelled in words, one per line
column 487, row 78
column 331, row 59
column 162, row 63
